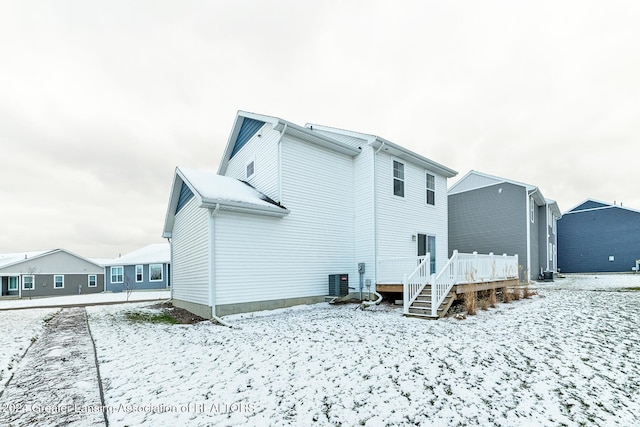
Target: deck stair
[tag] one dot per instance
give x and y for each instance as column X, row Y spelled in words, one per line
column 421, row 306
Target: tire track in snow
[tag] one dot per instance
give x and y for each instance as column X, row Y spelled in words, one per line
column 56, row 382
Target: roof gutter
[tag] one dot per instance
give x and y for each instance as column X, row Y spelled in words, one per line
column 222, row 204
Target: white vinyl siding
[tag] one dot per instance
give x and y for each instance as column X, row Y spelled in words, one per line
column 398, row 220
column 191, row 254
column 291, row 257
column 264, row 151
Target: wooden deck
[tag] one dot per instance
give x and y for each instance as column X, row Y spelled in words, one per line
column 423, row 303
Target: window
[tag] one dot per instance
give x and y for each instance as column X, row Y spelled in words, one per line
column 155, row 272
column 92, row 280
column 398, row 179
column 27, row 282
column 117, row 274
column 532, row 206
column 13, row 284
column 251, row 169
column 139, row 274
column 58, row 282
column 431, row 189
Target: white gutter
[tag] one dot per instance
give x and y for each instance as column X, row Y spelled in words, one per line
column 217, row 204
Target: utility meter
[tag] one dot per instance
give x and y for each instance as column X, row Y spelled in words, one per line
column 361, row 267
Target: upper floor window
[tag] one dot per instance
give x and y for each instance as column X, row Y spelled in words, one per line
column 431, row 189
column 139, row 274
column 58, row 282
column 117, row 274
column 398, row 179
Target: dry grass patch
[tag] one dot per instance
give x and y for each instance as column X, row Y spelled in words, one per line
column 470, row 299
column 492, row 298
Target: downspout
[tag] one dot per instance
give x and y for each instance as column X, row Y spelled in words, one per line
column 528, row 220
column 170, row 270
column 212, row 269
column 375, row 213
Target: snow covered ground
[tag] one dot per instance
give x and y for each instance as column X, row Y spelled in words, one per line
column 17, row 330
column 567, row 357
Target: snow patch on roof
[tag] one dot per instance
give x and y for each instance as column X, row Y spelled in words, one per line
column 154, row 253
column 219, row 189
column 16, row 257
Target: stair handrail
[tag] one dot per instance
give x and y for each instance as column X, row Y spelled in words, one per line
column 440, row 288
column 410, row 291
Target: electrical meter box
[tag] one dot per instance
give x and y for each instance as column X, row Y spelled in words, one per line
column 338, row 285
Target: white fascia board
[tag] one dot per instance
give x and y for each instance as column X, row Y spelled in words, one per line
column 411, row 157
column 173, row 203
column 227, row 205
column 308, row 135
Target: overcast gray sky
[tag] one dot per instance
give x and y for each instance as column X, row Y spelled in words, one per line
column 100, row 101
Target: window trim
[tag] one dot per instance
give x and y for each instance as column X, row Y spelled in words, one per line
column 95, row 280
column 161, row 273
column 55, row 281
column 433, row 190
column 253, row 171
column 33, row 282
column 397, row 178
column 17, row 284
column 111, row 275
column 141, row 273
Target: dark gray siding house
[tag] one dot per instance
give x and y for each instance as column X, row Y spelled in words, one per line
column 492, row 214
column 49, row 273
column 598, row 237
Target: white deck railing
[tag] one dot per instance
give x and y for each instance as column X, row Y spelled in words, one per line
column 470, row 268
column 414, row 275
column 393, row 270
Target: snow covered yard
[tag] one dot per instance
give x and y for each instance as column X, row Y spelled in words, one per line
column 17, row 330
column 567, row 357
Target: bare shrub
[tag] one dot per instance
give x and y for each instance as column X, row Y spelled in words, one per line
column 526, row 292
column 484, row 304
column 506, row 295
column 492, row 298
column 470, row 298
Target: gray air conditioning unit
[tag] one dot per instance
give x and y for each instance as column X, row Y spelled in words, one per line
column 338, row 285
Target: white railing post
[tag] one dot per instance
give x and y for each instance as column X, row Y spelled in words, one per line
column 405, row 294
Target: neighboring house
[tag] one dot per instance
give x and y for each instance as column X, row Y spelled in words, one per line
column 145, row 268
column 291, row 205
column 49, row 273
column 492, row 214
column 598, row 237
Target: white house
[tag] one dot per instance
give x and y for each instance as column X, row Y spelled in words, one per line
column 291, row 205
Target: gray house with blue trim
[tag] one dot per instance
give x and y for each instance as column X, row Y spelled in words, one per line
column 144, row 269
column 492, row 214
column 598, row 237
